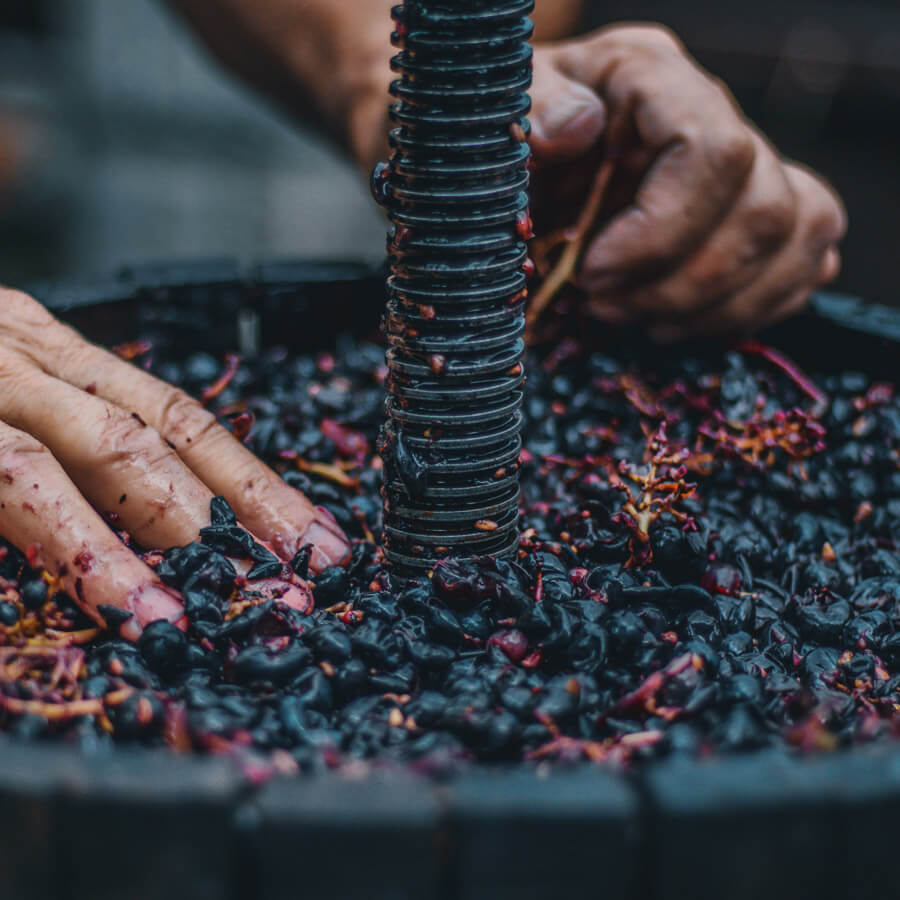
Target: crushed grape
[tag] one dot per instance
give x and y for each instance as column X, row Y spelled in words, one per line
column 708, row 562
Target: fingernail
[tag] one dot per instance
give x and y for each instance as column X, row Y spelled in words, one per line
column 328, row 515
column 152, row 602
column 292, row 595
column 327, row 520
column 577, row 109
column 329, row 548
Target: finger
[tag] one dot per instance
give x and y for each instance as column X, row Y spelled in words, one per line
column 121, row 465
column 736, row 252
column 40, row 507
column 266, row 505
column 820, row 208
column 567, row 117
column 790, row 306
column 742, row 314
column 676, row 207
column 703, row 153
column 796, row 302
column 831, row 266
column 611, row 311
column 726, row 322
column 801, row 266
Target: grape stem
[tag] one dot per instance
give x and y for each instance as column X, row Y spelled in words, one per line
column 574, row 239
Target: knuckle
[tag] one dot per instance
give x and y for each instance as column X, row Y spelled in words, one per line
column 10, row 367
column 183, row 421
column 18, row 452
column 18, row 310
column 659, row 250
column 254, row 487
column 12, row 302
column 731, row 151
column 77, row 352
column 654, row 34
column 28, row 328
column 771, row 222
column 19, row 375
column 127, row 437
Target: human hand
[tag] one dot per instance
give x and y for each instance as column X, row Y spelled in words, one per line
column 703, row 228
column 81, row 428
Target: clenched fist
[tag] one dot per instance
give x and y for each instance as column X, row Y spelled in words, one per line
column 704, row 229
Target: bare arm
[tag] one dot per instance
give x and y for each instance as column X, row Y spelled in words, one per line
column 322, row 59
column 326, row 60
column 711, row 230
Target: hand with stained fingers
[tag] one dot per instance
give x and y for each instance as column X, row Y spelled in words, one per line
column 84, row 433
column 702, row 227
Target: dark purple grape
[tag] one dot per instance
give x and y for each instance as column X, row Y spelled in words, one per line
column 331, row 586
column 163, row 647
column 329, row 642
column 257, row 664
column 9, row 613
column 34, row 593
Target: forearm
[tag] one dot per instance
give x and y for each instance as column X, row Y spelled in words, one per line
column 327, row 60
column 324, row 60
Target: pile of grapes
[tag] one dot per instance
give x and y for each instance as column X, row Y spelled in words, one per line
column 708, row 562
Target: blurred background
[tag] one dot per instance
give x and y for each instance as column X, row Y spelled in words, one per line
column 121, row 142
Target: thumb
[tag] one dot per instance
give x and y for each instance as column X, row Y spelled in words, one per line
column 567, row 117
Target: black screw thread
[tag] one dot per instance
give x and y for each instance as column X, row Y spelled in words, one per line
column 456, row 190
